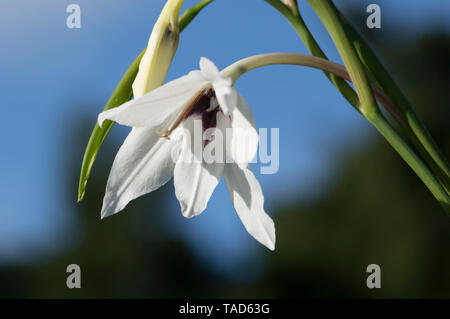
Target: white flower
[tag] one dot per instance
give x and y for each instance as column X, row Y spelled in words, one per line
column 154, row 150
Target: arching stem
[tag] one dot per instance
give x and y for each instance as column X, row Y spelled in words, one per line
column 235, row 70
column 240, row 67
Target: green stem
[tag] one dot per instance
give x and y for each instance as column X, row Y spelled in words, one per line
column 296, row 21
column 325, row 10
column 421, row 137
column 240, row 67
column 410, row 157
column 243, row 66
column 329, row 16
column 412, row 125
column 237, row 69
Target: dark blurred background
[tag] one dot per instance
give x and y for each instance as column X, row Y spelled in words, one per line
column 373, row 209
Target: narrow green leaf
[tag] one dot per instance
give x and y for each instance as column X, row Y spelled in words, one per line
column 121, row 94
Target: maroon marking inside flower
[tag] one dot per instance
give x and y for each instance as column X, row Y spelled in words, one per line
column 201, row 108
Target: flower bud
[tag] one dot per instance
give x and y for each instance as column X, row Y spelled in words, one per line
column 161, row 48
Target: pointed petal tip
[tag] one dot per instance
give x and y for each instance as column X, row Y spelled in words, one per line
column 104, row 116
column 103, row 215
column 106, row 213
column 271, row 237
column 110, row 210
column 208, row 69
column 187, row 213
column 100, row 120
column 204, row 60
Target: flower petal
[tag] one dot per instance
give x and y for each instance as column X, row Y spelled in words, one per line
column 194, row 178
column 143, row 164
column 244, row 137
column 157, row 106
column 226, row 95
column 248, row 200
column 208, row 69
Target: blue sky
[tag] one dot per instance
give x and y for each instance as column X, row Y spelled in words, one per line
column 48, row 71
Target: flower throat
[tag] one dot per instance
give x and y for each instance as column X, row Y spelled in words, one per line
column 204, row 105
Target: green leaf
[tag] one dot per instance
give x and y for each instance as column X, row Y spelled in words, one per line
column 122, row 93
